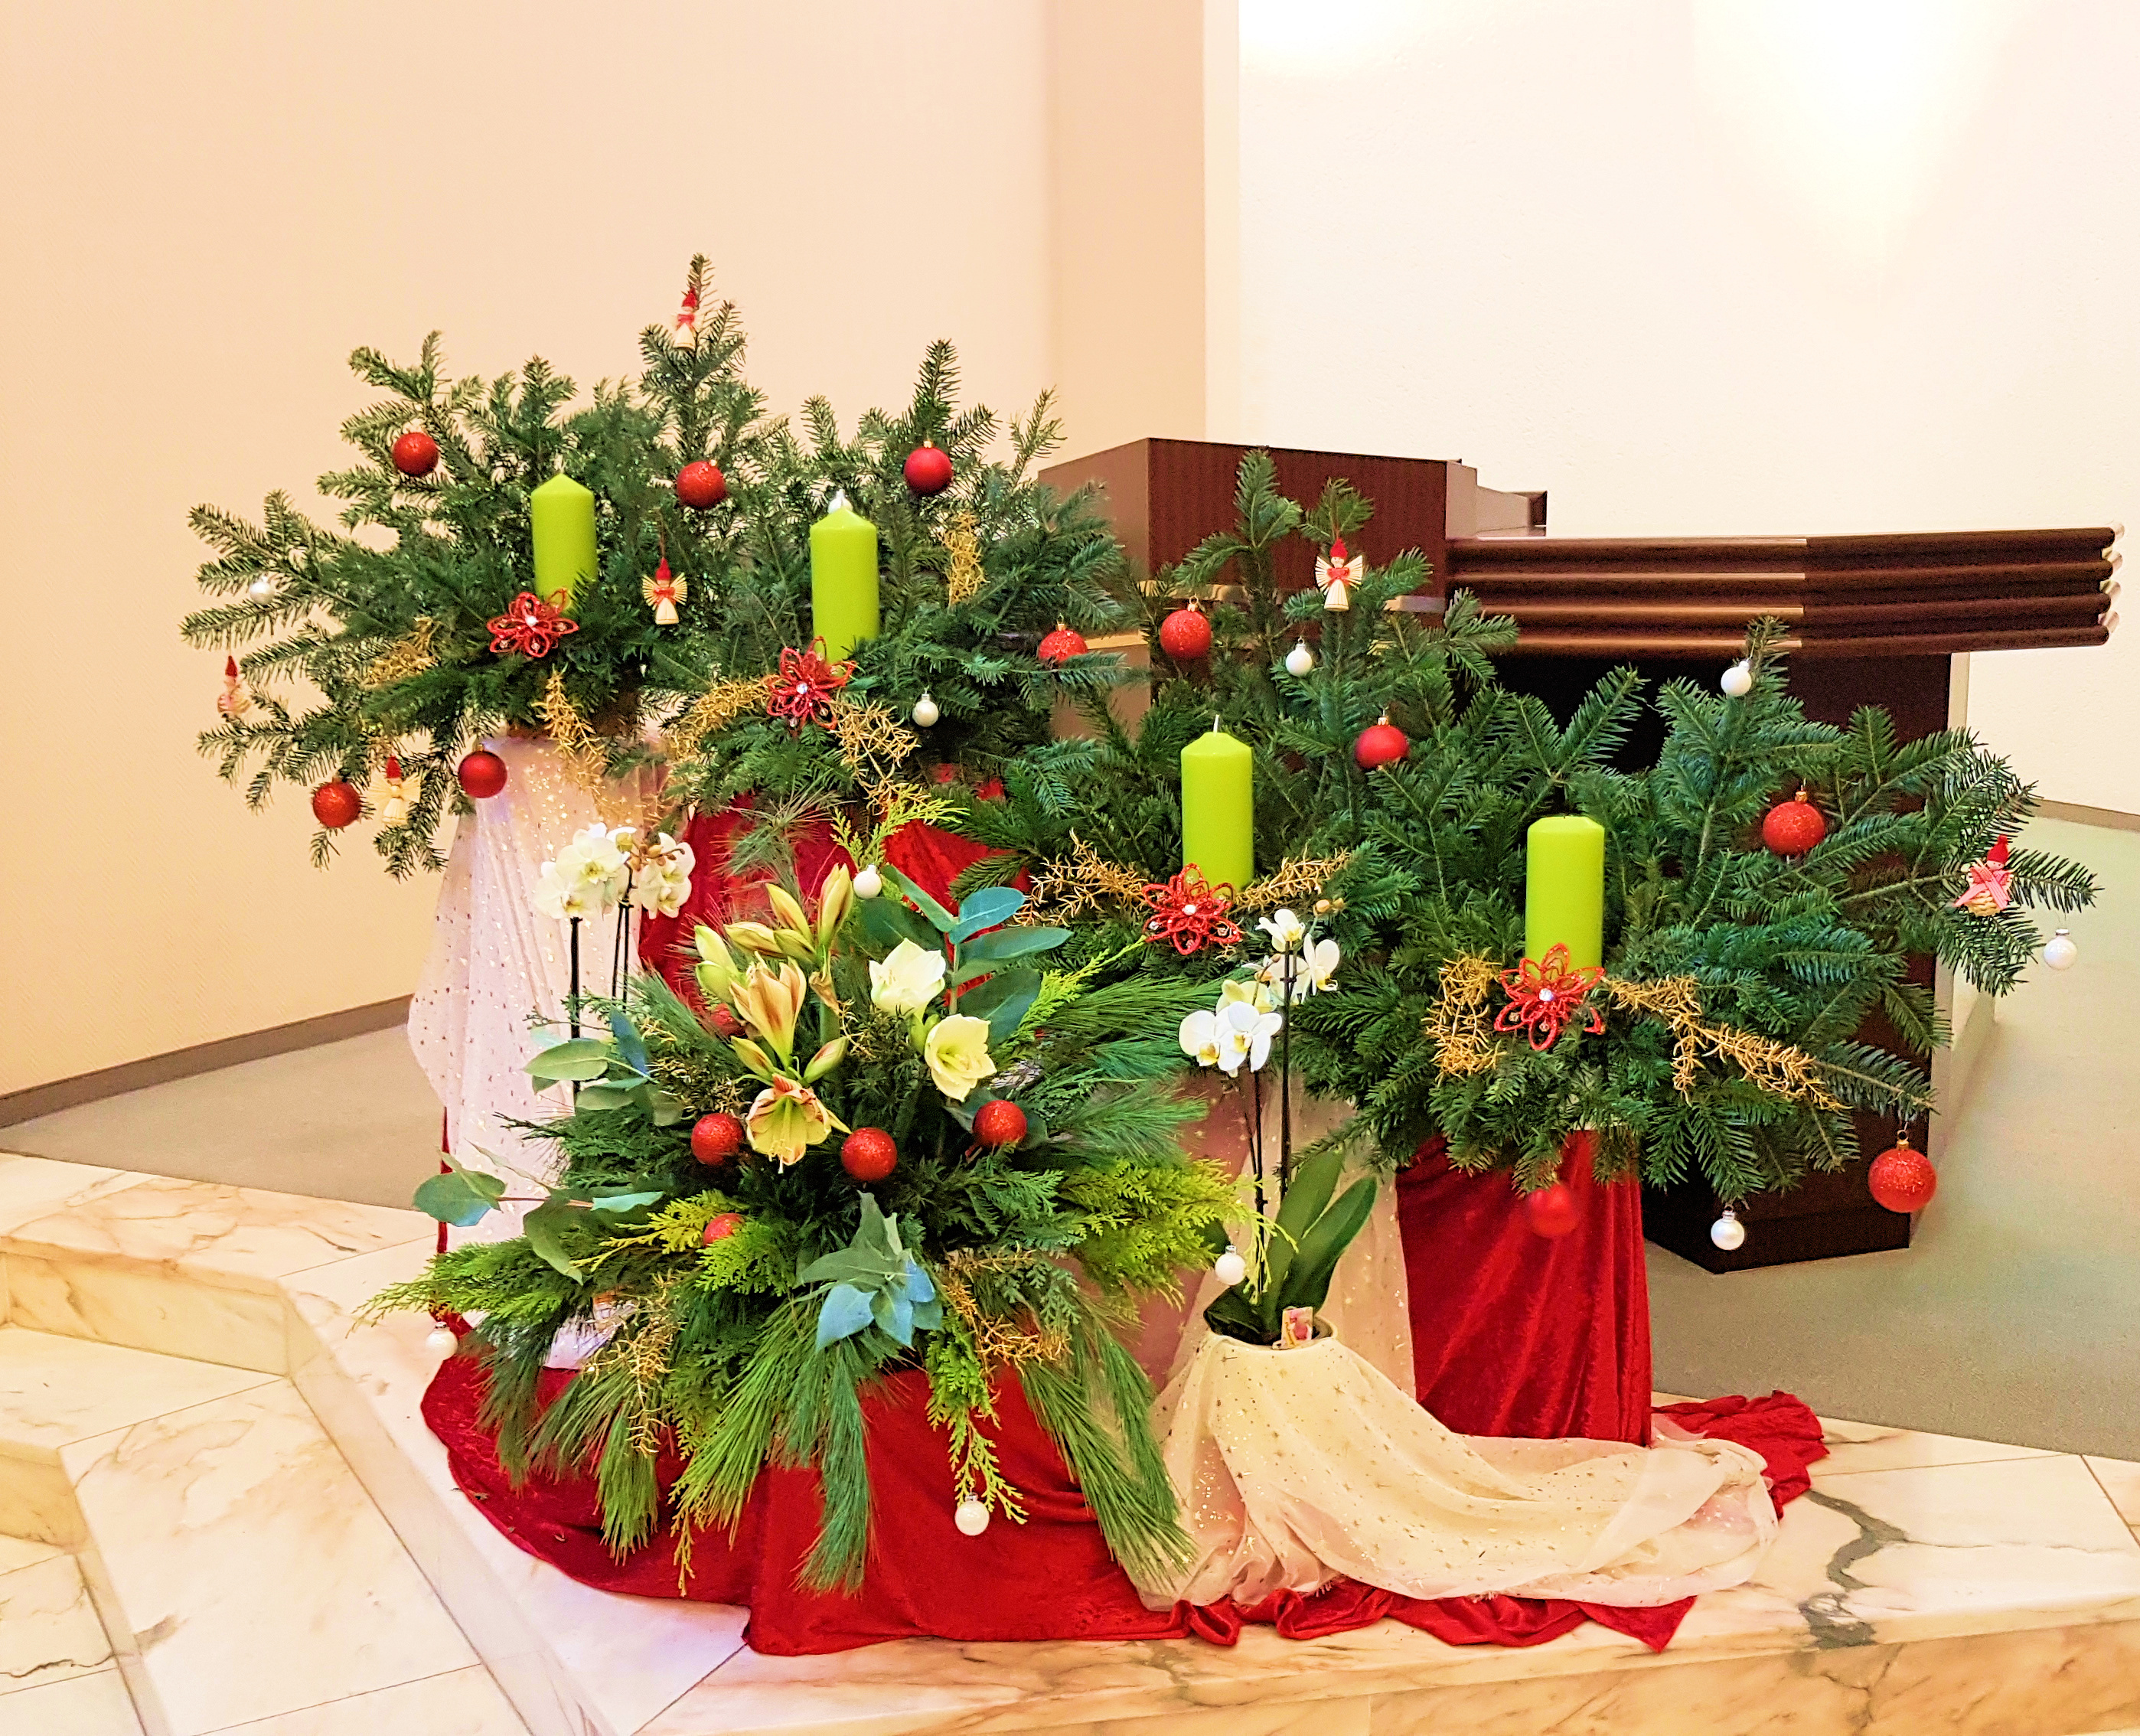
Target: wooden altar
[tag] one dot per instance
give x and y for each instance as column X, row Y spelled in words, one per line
column 1873, row 619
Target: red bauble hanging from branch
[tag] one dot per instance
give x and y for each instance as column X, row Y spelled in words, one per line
column 1380, row 743
column 701, row 485
column 1553, row 1211
column 1793, row 827
column 869, row 1153
column 1902, row 1179
column 715, row 1139
column 1061, row 645
column 482, row 774
column 337, row 804
column 416, row 454
column 1185, row 635
column 928, row 468
column 1000, row 1123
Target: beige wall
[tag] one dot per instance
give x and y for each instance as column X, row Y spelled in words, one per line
column 209, row 205
column 1718, row 265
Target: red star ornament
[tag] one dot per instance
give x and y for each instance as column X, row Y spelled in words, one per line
column 530, row 625
column 1190, row 914
column 1545, row 995
column 803, row 691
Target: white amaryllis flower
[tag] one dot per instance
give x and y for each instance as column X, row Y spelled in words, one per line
column 664, row 881
column 907, row 979
column 957, row 1052
column 1310, row 972
column 1286, row 930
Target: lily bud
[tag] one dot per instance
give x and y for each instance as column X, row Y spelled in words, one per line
column 825, row 1060
column 788, row 908
column 753, row 937
column 833, row 903
column 754, row 1057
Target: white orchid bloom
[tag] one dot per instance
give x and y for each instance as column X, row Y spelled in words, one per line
column 665, row 881
column 907, row 979
column 1309, row 973
column 1286, row 930
column 562, row 891
column 1200, row 1038
column 1254, row 994
column 1244, row 1033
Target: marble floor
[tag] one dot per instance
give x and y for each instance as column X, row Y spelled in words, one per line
column 220, row 1514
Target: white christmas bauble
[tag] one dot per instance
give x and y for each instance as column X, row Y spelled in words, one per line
column 442, row 1340
column 2059, row 951
column 1229, row 1268
column 972, row 1518
column 925, row 712
column 869, row 882
column 1727, row 1232
column 1299, row 660
column 1738, row 681
column 261, row 587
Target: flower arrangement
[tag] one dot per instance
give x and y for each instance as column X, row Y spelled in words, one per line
column 884, row 1133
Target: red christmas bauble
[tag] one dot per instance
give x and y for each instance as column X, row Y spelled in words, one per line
column 336, row 804
column 1064, row 643
column 720, row 1227
column 868, row 1154
column 1185, row 635
column 928, row 469
column 1903, row 1180
column 1793, row 827
column 1553, row 1211
column 999, row 1123
column 715, row 1139
column 1381, row 744
column 482, row 773
column 416, row 454
column 701, row 484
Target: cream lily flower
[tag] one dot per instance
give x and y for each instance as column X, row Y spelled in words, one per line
column 907, row 979
column 787, row 1118
column 769, row 1002
column 957, row 1052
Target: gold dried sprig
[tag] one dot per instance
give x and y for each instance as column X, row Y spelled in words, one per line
column 1295, row 880
column 410, row 654
column 586, row 759
column 720, row 705
column 964, row 578
column 999, row 1343
column 1085, row 882
column 1458, row 1026
column 873, row 744
column 1778, row 1068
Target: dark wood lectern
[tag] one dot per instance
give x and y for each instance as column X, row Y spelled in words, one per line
column 1875, row 621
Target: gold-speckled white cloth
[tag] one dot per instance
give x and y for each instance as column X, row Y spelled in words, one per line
column 495, row 965
column 1297, row 1466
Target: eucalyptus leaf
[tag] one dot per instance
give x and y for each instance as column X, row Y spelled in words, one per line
column 630, row 1046
column 885, row 922
column 986, row 908
column 451, row 1199
column 624, row 1202
column 1011, row 944
column 583, row 1057
column 941, row 919
column 544, row 1228
column 604, row 1096
column 845, row 1313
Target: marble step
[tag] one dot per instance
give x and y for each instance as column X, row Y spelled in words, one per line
column 57, row 1674
column 244, row 1578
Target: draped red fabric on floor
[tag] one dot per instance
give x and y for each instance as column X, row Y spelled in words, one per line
column 1514, row 1334
column 1050, row 1578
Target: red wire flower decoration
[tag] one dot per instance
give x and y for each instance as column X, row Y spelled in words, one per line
column 802, row 692
column 1991, row 887
column 530, row 625
column 1545, row 997
column 1190, row 914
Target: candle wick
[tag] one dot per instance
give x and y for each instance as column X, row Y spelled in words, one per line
column 839, row 500
column 1215, row 722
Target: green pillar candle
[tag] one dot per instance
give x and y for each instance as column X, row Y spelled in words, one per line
column 562, row 516
column 1564, row 888
column 843, row 601
column 1218, row 809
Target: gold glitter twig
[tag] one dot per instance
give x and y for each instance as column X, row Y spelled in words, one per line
column 586, row 759
column 1295, row 880
column 964, row 580
column 720, row 705
column 410, row 654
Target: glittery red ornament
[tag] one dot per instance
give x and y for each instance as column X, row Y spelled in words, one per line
column 416, row 454
column 803, row 691
column 720, row 1227
column 868, row 1154
column 1185, row 635
column 1380, row 743
column 1190, row 914
column 1552, row 1211
column 701, row 484
column 928, row 469
column 1061, row 645
column 482, row 773
column 1000, row 1123
column 1793, row 827
column 530, row 625
column 1901, row 1178
column 715, row 1139
column 336, row 804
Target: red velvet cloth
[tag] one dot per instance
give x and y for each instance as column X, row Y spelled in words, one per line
column 1515, row 1334
column 1050, row 1578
